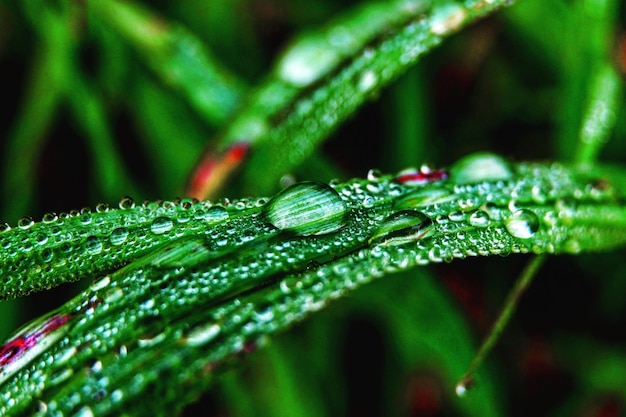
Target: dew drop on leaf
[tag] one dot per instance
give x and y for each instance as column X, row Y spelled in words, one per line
column 566, row 207
column 25, row 222
column 307, row 62
column 161, row 225
column 522, row 224
column 403, row 226
column 113, row 294
column 368, row 81
column 216, row 214
column 93, row 245
column 480, row 167
column 100, row 283
column 202, row 334
column 49, row 217
column 119, row 236
column 102, row 208
column 456, row 216
column 374, row 175
column 127, row 203
column 307, row 208
column 479, row 218
column 85, row 217
column 46, row 255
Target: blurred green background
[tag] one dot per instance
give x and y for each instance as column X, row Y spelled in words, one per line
column 92, row 112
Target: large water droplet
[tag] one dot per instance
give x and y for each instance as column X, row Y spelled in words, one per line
column 480, row 167
column 374, row 175
column 119, row 236
column 100, row 283
column 522, row 224
column 102, row 207
column 216, row 214
column 307, row 208
column 25, row 222
column 479, row 218
column 368, row 81
column 93, row 245
column 307, row 62
column 403, row 226
column 424, row 197
column 127, row 203
column 161, row 225
column 49, row 218
column 202, row 334
column 447, row 19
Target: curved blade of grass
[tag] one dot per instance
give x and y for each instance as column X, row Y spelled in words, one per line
column 73, row 245
column 46, row 87
column 323, row 78
column 588, row 82
column 603, row 104
column 50, row 87
column 177, row 56
column 205, row 284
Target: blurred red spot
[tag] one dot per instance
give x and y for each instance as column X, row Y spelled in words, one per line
column 213, row 169
column 15, row 347
column 424, row 175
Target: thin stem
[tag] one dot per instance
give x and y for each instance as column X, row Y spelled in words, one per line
column 468, row 380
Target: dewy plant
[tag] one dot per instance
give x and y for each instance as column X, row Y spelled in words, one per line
column 182, row 289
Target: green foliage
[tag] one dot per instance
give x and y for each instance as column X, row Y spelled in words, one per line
column 123, row 98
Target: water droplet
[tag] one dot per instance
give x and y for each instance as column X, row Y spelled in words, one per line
column 368, row 202
column 93, row 245
column 403, row 226
column 374, row 175
column 264, row 315
column 480, row 167
column 425, row 197
column 566, row 207
column 4, row 227
column 161, row 225
column 522, row 224
column 61, row 375
column 84, row 412
column 307, row 208
column 113, row 295
column 448, row 18
column 85, row 217
column 464, row 386
column 202, row 334
column 49, row 218
column 119, row 236
column 456, row 216
column 127, row 203
column 216, row 214
column 25, row 222
column 46, row 255
column 368, row 81
column 307, row 61
column 41, row 238
column 479, row 218
column 102, row 207
column 289, row 284
column 101, row 283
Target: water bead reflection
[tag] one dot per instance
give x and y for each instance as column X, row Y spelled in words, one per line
column 480, row 167
column 522, row 224
column 402, row 227
column 307, row 208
